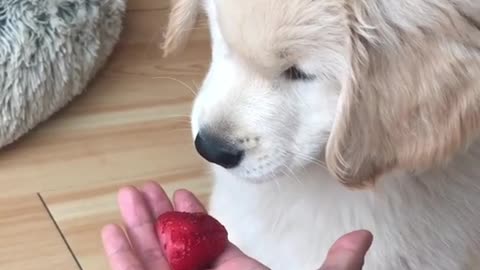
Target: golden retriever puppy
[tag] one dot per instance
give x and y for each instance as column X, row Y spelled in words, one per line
column 320, row 117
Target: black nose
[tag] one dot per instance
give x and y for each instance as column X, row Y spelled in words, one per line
column 218, row 151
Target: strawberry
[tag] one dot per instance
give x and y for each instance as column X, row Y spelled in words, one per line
column 190, row 241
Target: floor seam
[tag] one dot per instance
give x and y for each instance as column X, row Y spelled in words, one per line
column 60, row 232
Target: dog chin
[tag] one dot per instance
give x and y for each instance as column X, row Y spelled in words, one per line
column 261, row 172
column 257, row 179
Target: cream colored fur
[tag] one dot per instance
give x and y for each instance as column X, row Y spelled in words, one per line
column 181, row 22
column 393, row 110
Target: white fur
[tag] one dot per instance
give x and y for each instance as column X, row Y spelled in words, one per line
column 282, row 207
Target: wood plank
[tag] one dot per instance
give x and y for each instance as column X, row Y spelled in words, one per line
column 81, row 213
column 29, row 238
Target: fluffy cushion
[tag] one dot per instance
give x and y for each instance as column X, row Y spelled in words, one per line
column 49, row 51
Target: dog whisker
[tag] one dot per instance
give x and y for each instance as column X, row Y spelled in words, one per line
column 196, row 85
column 178, row 81
column 177, row 116
column 292, row 174
column 311, row 159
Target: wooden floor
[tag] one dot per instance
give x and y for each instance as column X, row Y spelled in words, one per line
column 59, row 183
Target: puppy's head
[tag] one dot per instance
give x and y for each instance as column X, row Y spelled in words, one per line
column 290, row 78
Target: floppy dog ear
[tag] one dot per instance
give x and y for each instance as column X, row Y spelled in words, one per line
column 182, row 19
column 411, row 100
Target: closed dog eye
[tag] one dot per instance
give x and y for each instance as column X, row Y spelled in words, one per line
column 295, row 74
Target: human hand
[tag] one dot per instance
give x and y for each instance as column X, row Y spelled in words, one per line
column 139, row 209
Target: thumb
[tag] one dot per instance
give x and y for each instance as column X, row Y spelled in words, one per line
column 348, row 252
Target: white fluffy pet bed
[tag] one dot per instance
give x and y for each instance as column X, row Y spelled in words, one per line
column 49, row 51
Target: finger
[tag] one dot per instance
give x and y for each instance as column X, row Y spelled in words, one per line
column 348, row 252
column 185, row 201
column 156, row 199
column 118, row 251
column 234, row 259
column 140, row 227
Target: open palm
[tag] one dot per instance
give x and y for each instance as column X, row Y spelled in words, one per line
column 138, row 248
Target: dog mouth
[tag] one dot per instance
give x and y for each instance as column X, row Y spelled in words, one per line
column 255, row 165
column 251, row 165
column 261, row 167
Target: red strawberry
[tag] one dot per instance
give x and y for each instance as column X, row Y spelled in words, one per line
column 191, row 241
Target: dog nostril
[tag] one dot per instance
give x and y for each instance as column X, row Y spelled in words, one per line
column 216, row 150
